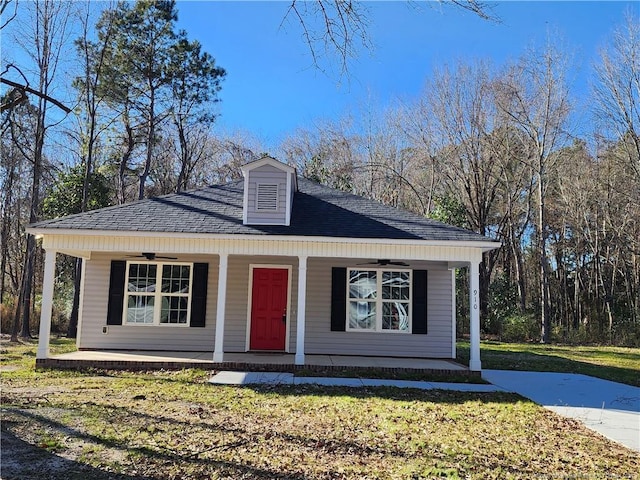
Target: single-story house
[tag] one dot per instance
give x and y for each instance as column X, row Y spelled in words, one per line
column 270, row 263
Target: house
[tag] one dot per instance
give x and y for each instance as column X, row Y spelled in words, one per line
column 272, row 263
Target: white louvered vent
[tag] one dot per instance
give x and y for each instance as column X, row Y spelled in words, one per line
column 267, row 197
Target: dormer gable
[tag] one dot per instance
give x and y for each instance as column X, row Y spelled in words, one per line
column 269, row 186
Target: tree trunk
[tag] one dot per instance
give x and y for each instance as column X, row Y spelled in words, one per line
column 23, row 313
column 150, row 142
column 124, row 162
column 545, row 321
column 4, row 233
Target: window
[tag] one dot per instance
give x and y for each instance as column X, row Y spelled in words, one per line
column 146, row 304
column 267, row 197
column 379, row 300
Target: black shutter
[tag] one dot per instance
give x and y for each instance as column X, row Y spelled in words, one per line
column 338, row 299
column 419, row 306
column 199, row 294
column 116, row 292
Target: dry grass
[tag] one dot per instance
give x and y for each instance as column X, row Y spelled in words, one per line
column 162, row 425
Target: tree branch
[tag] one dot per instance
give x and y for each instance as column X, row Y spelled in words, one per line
column 25, row 88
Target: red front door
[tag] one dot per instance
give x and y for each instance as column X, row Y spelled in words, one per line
column 269, row 308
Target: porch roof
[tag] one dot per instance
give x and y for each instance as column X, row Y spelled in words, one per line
column 318, row 211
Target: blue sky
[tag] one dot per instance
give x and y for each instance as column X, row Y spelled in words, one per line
column 271, row 87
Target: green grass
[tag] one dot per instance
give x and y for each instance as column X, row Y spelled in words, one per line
column 20, row 356
column 618, row 364
column 171, row 425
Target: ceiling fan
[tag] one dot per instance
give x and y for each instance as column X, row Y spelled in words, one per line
column 383, row 262
column 151, row 256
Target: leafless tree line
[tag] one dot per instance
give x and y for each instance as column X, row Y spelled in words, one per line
column 492, row 150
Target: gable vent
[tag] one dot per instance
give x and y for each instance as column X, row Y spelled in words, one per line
column 267, row 197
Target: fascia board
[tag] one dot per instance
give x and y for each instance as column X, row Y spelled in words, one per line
column 484, row 245
column 247, row 167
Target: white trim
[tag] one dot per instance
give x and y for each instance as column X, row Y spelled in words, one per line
column 245, row 201
column 48, row 282
column 289, row 269
column 157, row 294
column 453, row 313
column 379, row 300
column 218, row 350
column 302, row 307
column 266, row 160
column 474, row 317
column 39, row 232
column 289, row 201
column 83, row 278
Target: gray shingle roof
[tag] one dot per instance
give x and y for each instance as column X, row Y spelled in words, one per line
column 317, row 211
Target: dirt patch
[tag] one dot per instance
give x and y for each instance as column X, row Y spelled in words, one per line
column 8, row 368
column 22, row 460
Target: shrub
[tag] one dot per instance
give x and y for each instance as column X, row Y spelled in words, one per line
column 520, row 328
column 7, row 312
column 503, row 303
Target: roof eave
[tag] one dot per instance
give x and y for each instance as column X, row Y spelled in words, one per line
column 485, row 245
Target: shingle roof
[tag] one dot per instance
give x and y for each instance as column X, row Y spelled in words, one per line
column 317, row 211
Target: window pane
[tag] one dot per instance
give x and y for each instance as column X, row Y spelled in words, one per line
column 362, row 315
column 362, row 284
column 140, row 309
column 395, row 316
column 174, row 310
column 395, row 285
column 142, row 277
column 175, row 278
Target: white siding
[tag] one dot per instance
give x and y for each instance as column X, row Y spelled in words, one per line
column 134, row 337
column 321, row 340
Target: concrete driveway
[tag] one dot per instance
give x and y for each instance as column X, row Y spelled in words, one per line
column 609, row 408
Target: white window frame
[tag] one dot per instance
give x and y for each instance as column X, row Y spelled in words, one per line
column 277, row 203
column 379, row 300
column 158, row 295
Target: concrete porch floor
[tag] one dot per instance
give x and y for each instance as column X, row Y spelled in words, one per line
column 245, row 361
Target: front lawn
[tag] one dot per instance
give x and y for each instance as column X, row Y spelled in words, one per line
column 618, row 364
column 174, row 425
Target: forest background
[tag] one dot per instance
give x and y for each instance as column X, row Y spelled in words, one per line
column 491, row 149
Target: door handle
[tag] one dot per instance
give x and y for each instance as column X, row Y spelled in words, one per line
column 284, row 317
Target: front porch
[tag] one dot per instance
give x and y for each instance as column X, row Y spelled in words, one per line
column 272, row 362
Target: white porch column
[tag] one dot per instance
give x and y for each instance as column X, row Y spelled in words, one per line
column 47, row 303
column 474, row 316
column 218, row 350
column 83, row 276
column 454, row 316
column 302, row 307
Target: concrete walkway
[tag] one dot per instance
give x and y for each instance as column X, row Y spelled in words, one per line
column 274, row 378
column 609, row 408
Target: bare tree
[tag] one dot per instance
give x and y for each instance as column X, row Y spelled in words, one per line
column 533, row 94
column 327, row 154
column 43, row 40
column 471, row 151
column 341, row 28
column 89, row 129
column 11, row 11
column 617, row 89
